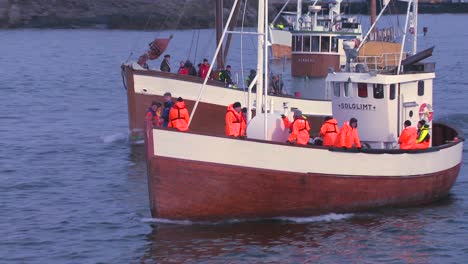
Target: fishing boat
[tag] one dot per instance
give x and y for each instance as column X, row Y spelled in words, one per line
column 204, row 177
column 144, row 86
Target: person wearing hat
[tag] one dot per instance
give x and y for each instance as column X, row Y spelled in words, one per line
column 329, row 131
column 179, row 116
column 348, row 135
column 153, row 114
column 165, row 64
column 408, row 136
column 226, row 77
column 299, row 129
column 203, row 69
column 235, row 123
column 424, row 138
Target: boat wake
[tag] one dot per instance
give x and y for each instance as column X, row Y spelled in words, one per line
column 300, row 220
column 114, row 138
column 321, row 218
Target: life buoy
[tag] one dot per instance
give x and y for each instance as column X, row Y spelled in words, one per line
column 425, row 112
column 337, row 27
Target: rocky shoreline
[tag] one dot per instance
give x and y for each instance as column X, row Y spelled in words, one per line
column 141, row 14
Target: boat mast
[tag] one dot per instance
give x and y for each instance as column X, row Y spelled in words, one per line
column 219, row 33
column 267, row 77
column 298, row 14
column 415, row 26
column 232, row 25
column 405, row 30
column 260, row 44
column 373, row 11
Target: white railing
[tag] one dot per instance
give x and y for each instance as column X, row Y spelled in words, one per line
column 379, row 63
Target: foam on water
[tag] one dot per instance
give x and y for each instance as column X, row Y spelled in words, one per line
column 321, row 218
column 113, row 138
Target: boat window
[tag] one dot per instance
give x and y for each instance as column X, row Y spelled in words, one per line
column 336, row 89
column 378, row 91
column 306, row 43
column 346, row 89
column 298, row 43
column 315, row 43
column 362, row 90
column 421, row 88
column 325, row 44
column 392, row 91
column 334, row 44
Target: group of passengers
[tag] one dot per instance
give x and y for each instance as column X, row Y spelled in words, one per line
column 175, row 115
column 169, row 114
column 224, row 75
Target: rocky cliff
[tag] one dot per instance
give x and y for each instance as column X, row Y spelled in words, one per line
column 135, row 14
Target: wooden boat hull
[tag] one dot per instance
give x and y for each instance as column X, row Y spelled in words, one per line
column 184, row 189
column 215, row 178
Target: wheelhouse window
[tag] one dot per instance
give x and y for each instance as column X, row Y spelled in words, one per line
column 392, row 91
column 378, row 91
column 346, row 89
column 334, row 44
column 315, row 43
column 421, row 88
column 362, row 90
column 297, row 40
column 325, row 44
column 306, row 44
column 336, row 89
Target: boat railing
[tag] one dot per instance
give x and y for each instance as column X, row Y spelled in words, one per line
column 378, row 63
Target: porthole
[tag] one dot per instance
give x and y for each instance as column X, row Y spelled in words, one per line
column 411, row 113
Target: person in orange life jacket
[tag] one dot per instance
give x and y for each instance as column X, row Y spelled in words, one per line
column 348, row 135
column 182, row 69
column 179, row 116
column 168, row 103
column 408, row 136
column 299, row 129
column 424, row 138
column 203, row 68
column 244, row 121
column 153, row 115
column 329, row 131
column 234, row 121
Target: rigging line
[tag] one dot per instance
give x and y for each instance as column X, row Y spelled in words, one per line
column 196, row 47
column 191, row 45
column 242, row 48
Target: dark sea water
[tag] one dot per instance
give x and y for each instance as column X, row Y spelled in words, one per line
column 74, row 190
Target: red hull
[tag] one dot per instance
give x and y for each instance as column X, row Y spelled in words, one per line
column 183, row 189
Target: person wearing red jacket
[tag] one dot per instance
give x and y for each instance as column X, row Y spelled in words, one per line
column 153, row 115
column 348, row 135
column 182, row 69
column 408, row 136
column 299, row 129
column 179, row 116
column 329, row 131
column 203, row 68
column 235, row 122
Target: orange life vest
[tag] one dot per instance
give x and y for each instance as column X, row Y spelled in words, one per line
column 299, row 130
column 179, row 117
column 408, row 137
column 329, row 132
column 235, row 123
column 348, row 137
